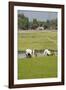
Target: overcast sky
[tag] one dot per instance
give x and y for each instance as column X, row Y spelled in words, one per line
column 39, row 15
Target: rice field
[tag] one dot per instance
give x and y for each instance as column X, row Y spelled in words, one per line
column 37, row 67
column 37, row 40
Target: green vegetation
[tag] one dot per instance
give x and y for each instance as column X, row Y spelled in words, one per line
column 24, row 23
column 37, row 40
column 37, row 67
column 34, row 24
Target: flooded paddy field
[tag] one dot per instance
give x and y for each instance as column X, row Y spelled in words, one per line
column 39, row 53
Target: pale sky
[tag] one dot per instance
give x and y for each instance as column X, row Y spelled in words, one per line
column 39, row 15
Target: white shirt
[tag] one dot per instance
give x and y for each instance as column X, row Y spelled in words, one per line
column 46, row 51
column 29, row 51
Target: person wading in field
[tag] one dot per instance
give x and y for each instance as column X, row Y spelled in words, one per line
column 30, row 53
column 46, row 52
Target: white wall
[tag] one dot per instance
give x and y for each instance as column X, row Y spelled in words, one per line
column 4, row 44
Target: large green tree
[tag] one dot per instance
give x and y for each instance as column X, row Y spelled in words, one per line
column 34, row 24
column 53, row 24
column 23, row 22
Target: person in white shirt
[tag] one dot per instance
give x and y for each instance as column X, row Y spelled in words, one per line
column 47, row 52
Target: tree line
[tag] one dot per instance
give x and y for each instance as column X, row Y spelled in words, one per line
column 25, row 24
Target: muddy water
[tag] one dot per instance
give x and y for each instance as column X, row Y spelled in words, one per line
column 21, row 55
column 38, row 54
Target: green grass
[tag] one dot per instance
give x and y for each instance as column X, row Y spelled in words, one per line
column 37, row 40
column 37, row 67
